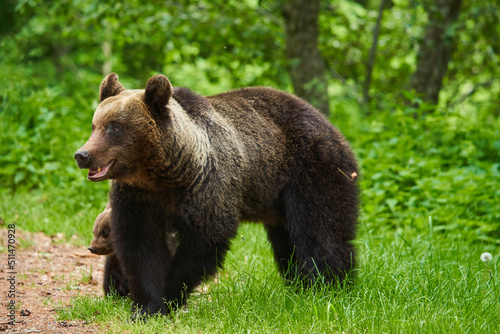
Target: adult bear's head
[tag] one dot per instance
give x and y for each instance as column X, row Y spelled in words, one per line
column 125, row 142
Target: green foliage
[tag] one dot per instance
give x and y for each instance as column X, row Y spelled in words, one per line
column 346, row 38
column 473, row 74
column 440, row 165
column 36, row 134
column 238, row 41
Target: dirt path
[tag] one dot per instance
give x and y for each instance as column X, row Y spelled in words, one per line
column 49, row 274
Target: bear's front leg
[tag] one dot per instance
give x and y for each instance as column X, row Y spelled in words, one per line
column 144, row 257
column 197, row 257
column 113, row 277
column 139, row 235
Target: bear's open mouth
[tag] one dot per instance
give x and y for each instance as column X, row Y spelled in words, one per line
column 100, row 173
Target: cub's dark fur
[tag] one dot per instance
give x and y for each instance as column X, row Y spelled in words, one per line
column 198, row 166
column 102, row 244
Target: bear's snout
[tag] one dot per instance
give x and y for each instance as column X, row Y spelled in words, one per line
column 82, row 158
column 92, row 250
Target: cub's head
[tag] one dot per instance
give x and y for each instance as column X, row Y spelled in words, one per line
column 125, row 138
column 102, row 243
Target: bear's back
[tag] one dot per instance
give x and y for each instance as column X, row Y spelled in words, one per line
column 258, row 110
column 274, row 126
column 255, row 107
column 281, row 108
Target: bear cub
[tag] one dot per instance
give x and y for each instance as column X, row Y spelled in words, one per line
column 102, row 244
column 198, row 166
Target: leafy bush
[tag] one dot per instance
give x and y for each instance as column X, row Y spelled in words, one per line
column 443, row 165
column 39, row 131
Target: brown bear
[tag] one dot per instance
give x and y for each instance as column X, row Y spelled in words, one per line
column 102, row 244
column 197, row 166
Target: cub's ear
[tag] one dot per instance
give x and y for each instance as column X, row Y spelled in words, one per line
column 110, row 86
column 158, row 92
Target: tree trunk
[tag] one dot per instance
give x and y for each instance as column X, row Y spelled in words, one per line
column 435, row 48
column 371, row 59
column 106, row 52
column 307, row 67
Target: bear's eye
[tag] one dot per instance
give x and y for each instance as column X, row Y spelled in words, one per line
column 105, row 233
column 114, row 129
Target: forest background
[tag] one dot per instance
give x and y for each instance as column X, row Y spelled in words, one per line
column 413, row 85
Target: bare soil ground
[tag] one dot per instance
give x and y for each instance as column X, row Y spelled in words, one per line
column 49, row 273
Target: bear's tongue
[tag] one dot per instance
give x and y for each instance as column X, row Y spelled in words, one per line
column 99, row 172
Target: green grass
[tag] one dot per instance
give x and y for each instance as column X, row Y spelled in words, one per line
column 70, row 211
column 405, row 284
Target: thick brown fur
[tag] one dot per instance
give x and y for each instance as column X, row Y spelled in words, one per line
column 197, row 166
column 102, row 244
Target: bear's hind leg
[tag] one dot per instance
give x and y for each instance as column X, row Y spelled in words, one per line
column 321, row 238
column 283, row 252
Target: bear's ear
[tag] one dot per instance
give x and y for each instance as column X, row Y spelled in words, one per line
column 110, row 86
column 158, row 92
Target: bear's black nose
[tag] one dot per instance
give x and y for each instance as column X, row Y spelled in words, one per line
column 82, row 158
column 92, row 250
